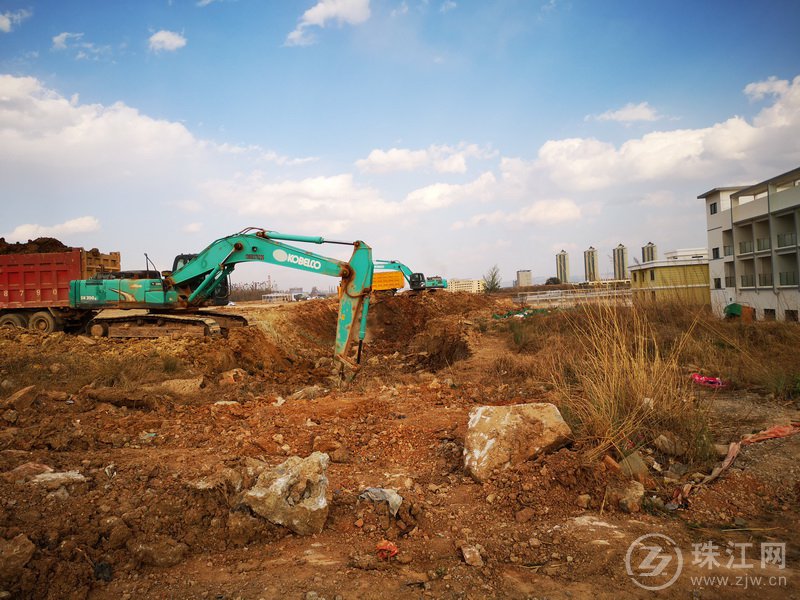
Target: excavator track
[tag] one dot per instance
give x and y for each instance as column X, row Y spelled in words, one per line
column 225, row 320
column 153, row 325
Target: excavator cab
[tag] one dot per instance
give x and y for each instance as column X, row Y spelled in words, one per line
column 416, row 281
column 222, row 293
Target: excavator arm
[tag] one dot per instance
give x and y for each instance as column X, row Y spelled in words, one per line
column 196, row 281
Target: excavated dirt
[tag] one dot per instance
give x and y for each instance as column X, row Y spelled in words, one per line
column 42, row 244
column 163, row 434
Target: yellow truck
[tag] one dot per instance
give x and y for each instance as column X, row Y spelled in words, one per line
column 387, row 280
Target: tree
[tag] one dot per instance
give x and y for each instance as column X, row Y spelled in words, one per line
column 491, row 280
column 552, row 281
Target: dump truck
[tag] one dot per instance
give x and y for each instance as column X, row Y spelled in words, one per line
column 35, row 287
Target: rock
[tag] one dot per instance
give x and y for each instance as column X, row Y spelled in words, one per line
column 21, row 399
column 162, row 552
column 53, row 481
column 14, row 555
column 669, row 444
column 308, row 393
column 10, row 416
column 627, row 495
column 226, row 480
column 634, row 466
column 25, row 472
column 232, row 377
column 472, row 556
column 502, row 436
column 524, row 515
column 293, row 494
column 183, row 387
column 583, row 501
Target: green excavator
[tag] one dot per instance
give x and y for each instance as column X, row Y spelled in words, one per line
column 150, row 304
column 416, row 281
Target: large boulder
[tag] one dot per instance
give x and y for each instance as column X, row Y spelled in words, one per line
column 502, row 436
column 293, row 494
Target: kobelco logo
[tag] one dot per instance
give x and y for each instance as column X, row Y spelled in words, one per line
column 283, row 256
column 653, row 561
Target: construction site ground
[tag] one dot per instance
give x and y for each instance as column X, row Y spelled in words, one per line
column 164, row 433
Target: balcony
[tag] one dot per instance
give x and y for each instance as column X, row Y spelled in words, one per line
column 748, row 280
column 730, row 281
column 788, row 278
column 727, row 250
column 745, row 247
column 763, row 244
column 786, row 240
column 765, row 280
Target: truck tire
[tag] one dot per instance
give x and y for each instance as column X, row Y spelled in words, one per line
column 12, row 320
column 44, row 322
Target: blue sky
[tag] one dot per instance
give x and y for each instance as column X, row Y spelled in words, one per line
column 447, row 134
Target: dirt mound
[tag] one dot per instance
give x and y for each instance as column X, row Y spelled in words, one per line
column 38, row 246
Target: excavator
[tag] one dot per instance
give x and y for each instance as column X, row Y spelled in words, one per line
column 170, row 302
column 416, row 281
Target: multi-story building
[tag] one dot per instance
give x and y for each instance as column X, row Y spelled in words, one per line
column 752, row 237
column 590, row 267
column 524, row 278
column 620, row 255
column 682, row 277
column 562, row 267
column 473, row 286
column 649, row 252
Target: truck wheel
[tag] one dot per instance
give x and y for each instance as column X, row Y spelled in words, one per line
column 12, row 320
column 98, row 329
column 44, row 322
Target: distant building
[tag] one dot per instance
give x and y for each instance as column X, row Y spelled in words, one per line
column 524, row 278
column 752, row 237
column 682, row 277
column 562, row 266
column 649, row 252
column 473, row 286
column 620, row 262
column 590, row 264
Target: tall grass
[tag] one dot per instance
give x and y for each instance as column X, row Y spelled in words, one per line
column 619, row 391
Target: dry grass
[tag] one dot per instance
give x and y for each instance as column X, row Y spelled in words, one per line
column 619, row 391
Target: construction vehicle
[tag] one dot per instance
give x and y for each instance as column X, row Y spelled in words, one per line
column 416, row 281
column 147, row 304
column 390, row 281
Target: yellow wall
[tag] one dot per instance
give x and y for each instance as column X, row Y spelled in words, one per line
column 672, row 283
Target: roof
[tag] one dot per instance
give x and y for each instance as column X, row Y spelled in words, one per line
column 721, row 189
column 759, row 188
column 669, row 262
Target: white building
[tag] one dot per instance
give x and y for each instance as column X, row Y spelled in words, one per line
column 752, row 238
column 562, row 266
column 524, row 278
column 620, row 254
column 473, row 286
column 590, row 264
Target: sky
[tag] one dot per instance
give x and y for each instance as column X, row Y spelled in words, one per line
column 451, row 135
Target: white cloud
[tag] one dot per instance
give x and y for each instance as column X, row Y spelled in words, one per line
column 402, row 9
column 658, row 199
column 681, row 154
column 447, row 6
column 541, row 212
column 9, row 20
column 771, row 87
column 440, row 158
column 440, row 195
column 167, row 41
column 628, row 114
column 351, row 12
column 31, row 231
column 192, row 227
column 61, row 41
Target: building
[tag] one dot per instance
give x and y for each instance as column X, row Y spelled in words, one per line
column 590, row 265
column 524, row 278
column 562, row 267
column 752, row 237
column 649, row 252
column 473, row 286
column 620, row 255
column 682, row 277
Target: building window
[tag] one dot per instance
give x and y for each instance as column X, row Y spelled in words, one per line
column 652, row 274
column 715, row 253
column 717, row 283
column 712, row 208
column 769, row 314
column 790, row 315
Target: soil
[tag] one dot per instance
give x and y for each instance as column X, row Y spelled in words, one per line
column 138, row 525
column 42, row 244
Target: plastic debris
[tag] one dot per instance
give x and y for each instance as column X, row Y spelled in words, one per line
column 391, row 497
column 711, row 382
column 777, row 431
column 386, row 549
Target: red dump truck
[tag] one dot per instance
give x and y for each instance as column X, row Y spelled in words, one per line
column 34, row 286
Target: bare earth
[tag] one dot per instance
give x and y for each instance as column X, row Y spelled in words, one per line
column 266, row 393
